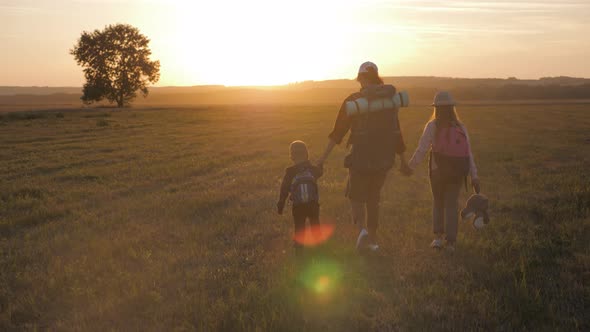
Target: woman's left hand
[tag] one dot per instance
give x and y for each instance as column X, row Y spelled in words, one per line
column 476, row 186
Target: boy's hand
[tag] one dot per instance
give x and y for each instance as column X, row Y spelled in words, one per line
column 476, row 185
column 280, row 208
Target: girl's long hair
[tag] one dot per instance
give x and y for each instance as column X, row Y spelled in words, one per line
column 371, row 76
column 445, row 116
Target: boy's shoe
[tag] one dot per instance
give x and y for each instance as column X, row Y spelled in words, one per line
column 298, row 248
column 361, row 241
column 436, row 244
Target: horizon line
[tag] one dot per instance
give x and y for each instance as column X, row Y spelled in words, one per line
column 311, row 81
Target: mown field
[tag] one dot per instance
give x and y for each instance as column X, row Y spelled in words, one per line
column 164, row 219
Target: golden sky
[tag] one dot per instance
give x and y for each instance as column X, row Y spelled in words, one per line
column 263, row 42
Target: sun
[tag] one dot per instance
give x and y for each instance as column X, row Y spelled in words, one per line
column 262, row 42
column 253, row 42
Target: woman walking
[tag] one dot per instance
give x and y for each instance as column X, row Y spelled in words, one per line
column 375, row 137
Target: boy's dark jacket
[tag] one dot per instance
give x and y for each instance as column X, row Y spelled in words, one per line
column 290, row 173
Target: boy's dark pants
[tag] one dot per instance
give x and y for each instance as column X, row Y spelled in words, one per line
column 304, row 211
column 445, row 207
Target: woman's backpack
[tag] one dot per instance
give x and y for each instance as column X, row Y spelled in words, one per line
column 375, row 131
column 304, row 188
column 450, row 151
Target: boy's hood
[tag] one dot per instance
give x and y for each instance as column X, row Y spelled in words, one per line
column 301, row 165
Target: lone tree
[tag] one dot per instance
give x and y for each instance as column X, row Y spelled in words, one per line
column 116, row 64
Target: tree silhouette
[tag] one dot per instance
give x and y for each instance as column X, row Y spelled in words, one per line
column 116, row 64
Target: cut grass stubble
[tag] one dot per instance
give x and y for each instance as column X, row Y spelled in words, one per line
column 144, row 219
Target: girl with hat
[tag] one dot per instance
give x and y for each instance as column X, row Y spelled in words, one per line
column 450, row 162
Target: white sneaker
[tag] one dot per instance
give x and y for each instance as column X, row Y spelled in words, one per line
column 373, row 247
column 362, row 239
column 436, row 244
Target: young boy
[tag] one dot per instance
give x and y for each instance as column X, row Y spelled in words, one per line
column 299, row 184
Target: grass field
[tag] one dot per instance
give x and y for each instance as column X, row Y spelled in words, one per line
column 164, row 219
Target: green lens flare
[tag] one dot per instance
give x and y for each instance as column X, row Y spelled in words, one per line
column 321, row 276
column 322, row 284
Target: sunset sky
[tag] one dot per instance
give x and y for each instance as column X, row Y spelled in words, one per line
column 259, row 42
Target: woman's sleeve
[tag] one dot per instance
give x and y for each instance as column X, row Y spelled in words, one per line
column 472, row 168
column 400, row 146
column 341, row 126
column 423, row 145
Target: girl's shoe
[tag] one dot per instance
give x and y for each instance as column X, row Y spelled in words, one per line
column 450, row 246
column 373, row 246
column 436, row 244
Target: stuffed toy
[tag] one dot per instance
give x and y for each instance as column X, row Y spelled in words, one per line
column 477, row 205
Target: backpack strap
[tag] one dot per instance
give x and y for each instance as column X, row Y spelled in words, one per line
column 430, row 156
column 358, row 108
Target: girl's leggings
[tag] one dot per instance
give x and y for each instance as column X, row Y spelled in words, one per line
column 445, row 194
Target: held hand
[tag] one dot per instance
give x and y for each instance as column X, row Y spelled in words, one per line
column 320, row 162
column 476, row 186
column 405, row 169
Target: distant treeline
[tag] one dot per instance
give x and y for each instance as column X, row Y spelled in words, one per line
column 509, row 92
column 421, row 90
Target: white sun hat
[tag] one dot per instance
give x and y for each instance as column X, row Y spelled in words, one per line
column 364, row 68
column 443, row 98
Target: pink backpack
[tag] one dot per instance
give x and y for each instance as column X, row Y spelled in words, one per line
column 451, row 151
